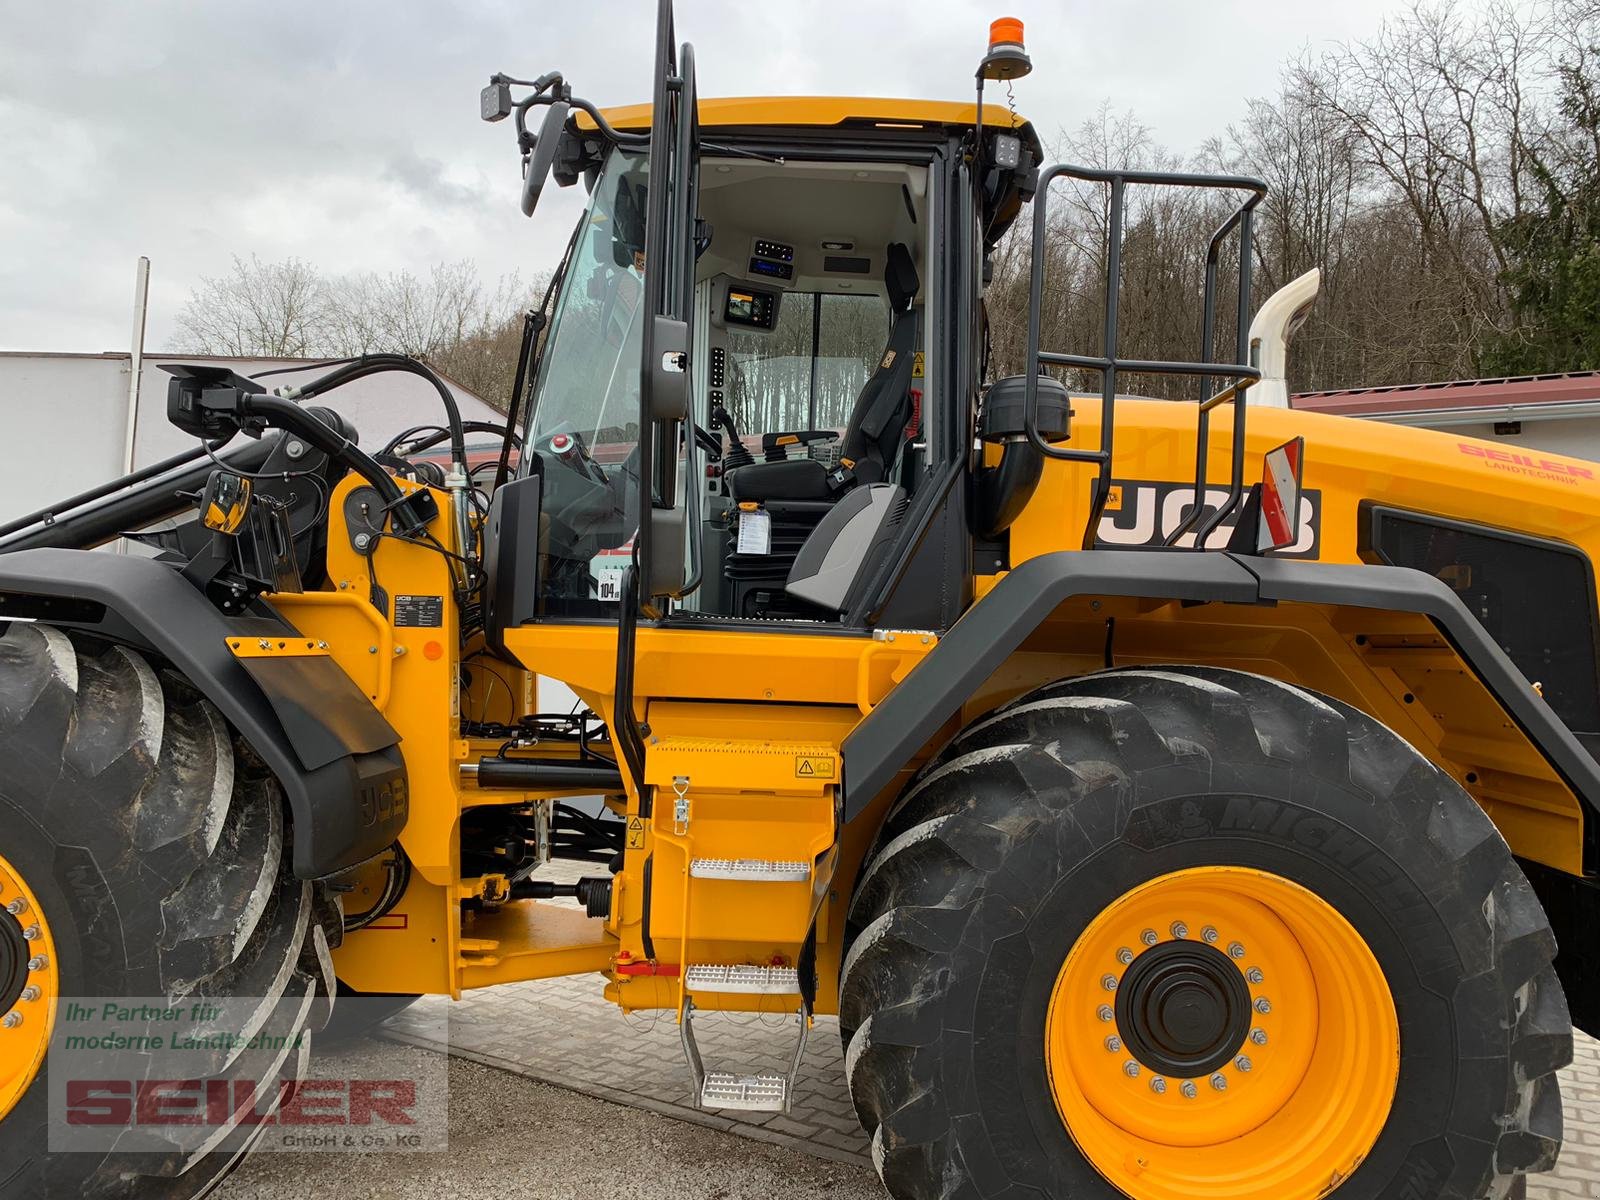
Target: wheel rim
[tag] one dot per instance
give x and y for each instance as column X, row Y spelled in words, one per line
column 29, row 986
column 1222, row 1032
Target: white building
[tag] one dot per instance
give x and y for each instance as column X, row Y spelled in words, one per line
column 65, row 417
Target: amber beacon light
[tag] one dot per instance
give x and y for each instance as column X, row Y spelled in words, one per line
column 1007, row 59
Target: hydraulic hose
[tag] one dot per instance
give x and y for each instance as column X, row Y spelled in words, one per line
column 457, row 480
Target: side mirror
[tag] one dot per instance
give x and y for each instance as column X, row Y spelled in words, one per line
column 224, row 502
column 537, row 168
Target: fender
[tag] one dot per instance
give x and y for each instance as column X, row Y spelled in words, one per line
column 336, row 757
column 903, row 725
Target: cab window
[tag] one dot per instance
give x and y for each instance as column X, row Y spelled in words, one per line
column 807, row 372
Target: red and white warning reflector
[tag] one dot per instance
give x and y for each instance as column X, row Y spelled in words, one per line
column 1280, row 496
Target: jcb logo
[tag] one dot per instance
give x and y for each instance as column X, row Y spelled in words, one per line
column 1145, row 513
column 384, row 803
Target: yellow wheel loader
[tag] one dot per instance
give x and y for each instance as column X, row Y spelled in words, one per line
column 1171, row 799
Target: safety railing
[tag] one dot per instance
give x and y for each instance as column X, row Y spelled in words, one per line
column 1237, row 375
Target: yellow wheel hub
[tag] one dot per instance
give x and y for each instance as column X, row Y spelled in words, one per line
column 30, row 985
column 1222, row 1032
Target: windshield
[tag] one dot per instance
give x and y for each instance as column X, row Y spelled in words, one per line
column 584, row 430
column 589, row 379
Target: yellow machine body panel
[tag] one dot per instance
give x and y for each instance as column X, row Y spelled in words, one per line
column 1347, row 460
column 1395, row 666
column 737, row 714
column 805, row 111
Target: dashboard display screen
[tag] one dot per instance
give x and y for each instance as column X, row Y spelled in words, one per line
column 749, row 307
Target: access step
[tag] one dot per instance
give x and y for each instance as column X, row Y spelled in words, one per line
column 747, row 1093
column 766, row 1092
column 743, row 979
column 750, row 870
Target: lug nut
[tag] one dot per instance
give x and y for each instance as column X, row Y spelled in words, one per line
column 1113, row 1043
column 1104, row 1012
column 1130, row 1069
column 1219, row 1081
column 1258, row 1036
column 1263, row 1005
column 38, row 962
column 1148, row 937
column 1158, row 1085
column 1208, row 935
column 1180, row 930
column 11, row 1020
column 1235, row 950
column 1242, row 1062
column 1188, row 1089
column 30, row 992
column 1124, row 956
column 1109, row 982
column 17, row 907
column 1254, row 975
column 32, row 933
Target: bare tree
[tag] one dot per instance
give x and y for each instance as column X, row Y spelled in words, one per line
column 279, row 309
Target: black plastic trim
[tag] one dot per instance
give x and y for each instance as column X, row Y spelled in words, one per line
column 988, row 633
column 1401, row 589
column 992, row 630
column 341, row 771
column 1369, row 547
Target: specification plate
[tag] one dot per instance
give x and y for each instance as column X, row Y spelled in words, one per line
column 418, row 612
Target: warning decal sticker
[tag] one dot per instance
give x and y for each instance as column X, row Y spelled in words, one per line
column 813, row 766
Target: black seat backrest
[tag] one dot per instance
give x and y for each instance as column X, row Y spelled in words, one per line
column 878, row 420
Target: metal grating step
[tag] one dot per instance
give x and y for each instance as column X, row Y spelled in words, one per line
column 739, row 977
column 749, row 1093
column 751, row 870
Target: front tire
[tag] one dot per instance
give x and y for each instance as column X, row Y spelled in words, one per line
column 153, row 848
column 1165, row 832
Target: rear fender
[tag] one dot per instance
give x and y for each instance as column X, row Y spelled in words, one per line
column 1394, row 642
column 336, row 757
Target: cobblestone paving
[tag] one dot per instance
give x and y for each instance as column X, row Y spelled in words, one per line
column 565, row 1032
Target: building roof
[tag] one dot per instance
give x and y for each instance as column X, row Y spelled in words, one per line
column 1479, row 399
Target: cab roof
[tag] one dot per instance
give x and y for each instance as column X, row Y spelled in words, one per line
column 829, row 111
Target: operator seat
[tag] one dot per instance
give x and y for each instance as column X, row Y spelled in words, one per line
column 877, row 423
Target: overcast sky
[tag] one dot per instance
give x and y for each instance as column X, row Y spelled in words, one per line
column 346, row 133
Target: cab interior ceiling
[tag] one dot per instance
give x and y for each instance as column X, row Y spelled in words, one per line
column 807, row 204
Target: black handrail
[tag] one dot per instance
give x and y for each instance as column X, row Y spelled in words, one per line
column 1240, row 373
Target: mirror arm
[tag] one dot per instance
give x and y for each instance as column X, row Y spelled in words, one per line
column 564, row 93
column 605, row 127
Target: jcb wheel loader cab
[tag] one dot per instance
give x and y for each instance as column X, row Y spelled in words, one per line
column 1177, row 933
column 144, row 863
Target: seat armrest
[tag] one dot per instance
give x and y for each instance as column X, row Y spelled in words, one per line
column 796, row 479
column 775, row 446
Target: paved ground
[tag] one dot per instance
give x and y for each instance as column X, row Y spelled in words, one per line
column 515, row 1137
column 564, row 1032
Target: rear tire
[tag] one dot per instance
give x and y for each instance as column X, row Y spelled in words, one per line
column 1039, row 819
column 155, row 845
